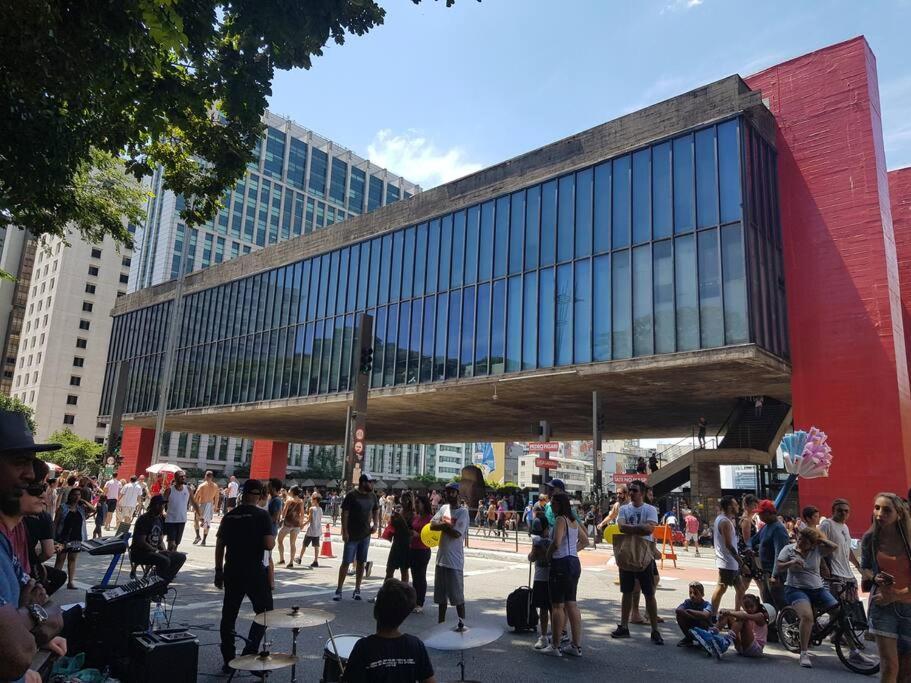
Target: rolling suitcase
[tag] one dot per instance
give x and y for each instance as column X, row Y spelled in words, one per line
column 520, row 615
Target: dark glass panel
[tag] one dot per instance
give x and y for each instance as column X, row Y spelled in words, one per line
column 471, row 244
column 485, row 243
column 420, row 260
column 404, row 341
column 566, row 203
column 380, row 342
column 468, row 329
column 582, row 313
column 501, row 238
column 530, row 322
column 498, row 327
column 482, row 331
column 706, row 179
column 373, row 287
column 458, row 249
column 414, row 347
column 391, row 346
column 621, row 202
column 408, row 264
column 621, row 305
column 453, row 341
column 563, row 331
column 548, row 222
column 385, row 269
column 440, row 335
column 532, row 225
column 602, row 207
column 427, row 343
column 514, row 324
column 642, row 196
column 684, row 204
column 643, row 343
column 584, row 213
column 395, row 285
column 546, row 296
column 445, row 251
column 516, row 231
column 433, row 255
column 711, row 322
column 687, row 294
column 729, row 170
column 662, row 254
column 354, row 267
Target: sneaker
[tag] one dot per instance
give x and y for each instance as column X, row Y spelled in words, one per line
column 805, row 660
column 564, row 639
column 313, row 565
column 686, row 641
column 418, row 610
column 572, row 650
column 196, row 540
column 356, row 595
column 460, row 627
column 704, row 638
column 657, row 639
column 338, row 596
column 551, row 651
column 542, row 642
column 290, row 565
column 620, row 632
column 857, row 657
column 202, row 542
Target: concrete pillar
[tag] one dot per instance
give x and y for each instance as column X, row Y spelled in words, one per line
column 270, row 459
column 705, row 485
column 136, row 448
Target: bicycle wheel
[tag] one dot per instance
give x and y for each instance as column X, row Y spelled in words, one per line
column 867, row 663
column 788, row 625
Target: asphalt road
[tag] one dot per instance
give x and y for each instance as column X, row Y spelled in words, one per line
column 490, row 576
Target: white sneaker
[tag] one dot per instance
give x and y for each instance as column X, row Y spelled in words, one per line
column 551, row 651
column 418, row 610
column 857, row 657
column 805, row 660
column 571, row 650
column 542, row 643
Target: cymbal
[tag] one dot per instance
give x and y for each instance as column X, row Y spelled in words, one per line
column 267, row 662
column 293, row 617
column 447, row 638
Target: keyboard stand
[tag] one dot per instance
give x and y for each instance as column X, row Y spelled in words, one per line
column 115, row 560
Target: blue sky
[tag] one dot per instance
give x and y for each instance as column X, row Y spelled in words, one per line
column 436, row 93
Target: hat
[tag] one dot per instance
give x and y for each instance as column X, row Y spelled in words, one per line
column 766, row 506
column 556, row 484
column 452, row 486
column 252, row 486
column 15, row 435
column 158, row 498
column 366, row 476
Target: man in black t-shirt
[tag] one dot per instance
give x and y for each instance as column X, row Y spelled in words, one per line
column 390, row 656
column 360, row 518
column 241, row 567
column 147, row 546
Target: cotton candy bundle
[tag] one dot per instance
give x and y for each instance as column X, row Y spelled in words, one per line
column 807, row 454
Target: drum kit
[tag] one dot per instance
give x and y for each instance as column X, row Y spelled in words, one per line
column 339, row 647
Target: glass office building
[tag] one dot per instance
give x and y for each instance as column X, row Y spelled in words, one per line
column 672, row 247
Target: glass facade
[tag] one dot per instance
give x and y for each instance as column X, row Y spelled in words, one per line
column 638, row 255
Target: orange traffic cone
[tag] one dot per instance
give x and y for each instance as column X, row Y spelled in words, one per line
column 326, row 549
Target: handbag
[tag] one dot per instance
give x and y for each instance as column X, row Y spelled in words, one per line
column 634, row 553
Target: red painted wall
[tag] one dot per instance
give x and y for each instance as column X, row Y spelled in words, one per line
column 136, row 448
column 850, row 375
column 900, row 196
column 270, row 459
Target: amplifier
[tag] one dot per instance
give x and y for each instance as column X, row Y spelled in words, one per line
column 108, row 626
column 172, row 652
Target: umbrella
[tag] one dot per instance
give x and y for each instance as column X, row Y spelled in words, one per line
column 54, row 466
column 162, row 467
column 380, row 484
column 308, row 483
column 400, row 485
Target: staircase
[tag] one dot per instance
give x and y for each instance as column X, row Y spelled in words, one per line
column 749, row 439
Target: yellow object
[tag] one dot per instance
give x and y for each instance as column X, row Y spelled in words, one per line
column 609, row 532
column 429, row 537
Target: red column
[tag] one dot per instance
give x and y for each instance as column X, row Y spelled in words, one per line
column 270, row 459
column 136, row 447
column 850, row 375
column 900, row 197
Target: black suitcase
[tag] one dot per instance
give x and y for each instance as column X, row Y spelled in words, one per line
column 520, row 615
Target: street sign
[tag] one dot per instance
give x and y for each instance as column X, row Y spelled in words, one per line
column 628, row 477
column 546, row 464
column 358, row 447
column 543, row 446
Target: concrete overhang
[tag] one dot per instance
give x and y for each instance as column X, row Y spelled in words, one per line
column 654, row 396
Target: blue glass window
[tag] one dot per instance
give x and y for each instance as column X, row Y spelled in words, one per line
column 332, row 291
column 485, row 243
column 684, row 205
column 458, row 249
column 354, row 268
column 317, row 357
column 373, row 287
column 413, row 373
column 275, row 153
column 402, row 351
column 548, row 222
column 297, row 163
column 298, row 223
column 564, row 315
column 514, row 324
column 363, row 277
column 546, row 295
column 471, row 245
column 452, row 345
column 468, row 332
column 392, row 193
column 621, row 202
column 357, row 185
column 530, row 322
column 385, row 269
column 335, row 363
column 408, row 264
column 375, row 197
column 643, row 344
column 516, row 232
column 706, row 179
column 582, row 313
column 687, row 296
column 601, row 326
column 343, row 272
column 642, row 195
column 711, row 326
column 662, row 254
column 584, row 213
column 440, row 334
column 380, row 342
column 314, row 288
column 729, row 170
column 532, row 226
column 420, row 259
column 735, row 287
column 501, row 237
column 398, row 243
column 323, row 285
column 445, row 250
column 602, row 207
column 482, row 331
column 566, row 205
column 392, row 328
column 621, row 305
column 497, row 327
column 433, row 255
column 347, row 350
column 429, row 326
column 319, row 164
column 338, row 181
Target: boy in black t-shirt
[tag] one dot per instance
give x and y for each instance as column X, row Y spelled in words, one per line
column 390, row 656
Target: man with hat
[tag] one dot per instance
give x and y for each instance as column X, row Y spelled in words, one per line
column 449, row 579
column 360, row 519
column 245, row 540
column 148, row 543
column 27, row 618
column 769, row 541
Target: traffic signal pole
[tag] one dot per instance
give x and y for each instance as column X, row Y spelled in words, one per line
column 356, row 427
column 598, row 456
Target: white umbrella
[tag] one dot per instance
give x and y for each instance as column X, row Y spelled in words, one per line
column 160, row 467
column 54, row 466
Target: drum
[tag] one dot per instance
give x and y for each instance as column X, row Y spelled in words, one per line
column 332, row 665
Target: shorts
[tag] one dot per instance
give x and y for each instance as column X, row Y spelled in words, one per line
column 728, row 577
column 692, row 537
column 314, row 541
column 448, row 586
column 645, row 578
column 564, row 579
column 540, row 594
column 353, row 549
column 174, row 531
column 398, row 558
column 820, row 598
column 892, row 621
column 754, row 650
column 205, row 510
column 111, row 504
column 231, row 504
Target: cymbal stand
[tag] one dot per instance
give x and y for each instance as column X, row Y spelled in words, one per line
column 341, row 664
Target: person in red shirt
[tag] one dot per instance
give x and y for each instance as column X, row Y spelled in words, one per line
column 419, row 554
column 691, row 524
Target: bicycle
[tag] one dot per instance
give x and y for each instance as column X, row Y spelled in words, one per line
column 846, row 624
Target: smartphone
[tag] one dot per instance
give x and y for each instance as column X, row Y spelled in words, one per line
column 888, row 579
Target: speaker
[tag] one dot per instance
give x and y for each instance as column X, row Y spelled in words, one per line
column 108, row 626
column 175, row 651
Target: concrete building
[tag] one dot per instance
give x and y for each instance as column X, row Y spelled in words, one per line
column 17, row 257
column 657, row 258
column 578, row 475
column 65, row 333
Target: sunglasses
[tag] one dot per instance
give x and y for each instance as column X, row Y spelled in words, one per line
column 36, row 490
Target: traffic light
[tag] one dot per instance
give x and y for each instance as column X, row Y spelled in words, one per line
column 366, row 359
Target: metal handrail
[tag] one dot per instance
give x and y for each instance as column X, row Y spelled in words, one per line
column 738, row 406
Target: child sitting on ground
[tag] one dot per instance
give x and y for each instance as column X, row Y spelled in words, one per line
column 540, row 592
column 694, row 612
column 390, row 655
column 748, row 630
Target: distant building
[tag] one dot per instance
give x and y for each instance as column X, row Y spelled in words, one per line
column 578, row 475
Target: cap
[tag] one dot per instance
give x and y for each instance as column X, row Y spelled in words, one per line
column 556, row 484
column 366, row 476
column 766, row 506
column 452, row 486
column 154, row 500
column 252, row 486
column 15, row 435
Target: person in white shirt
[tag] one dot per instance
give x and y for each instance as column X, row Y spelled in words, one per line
column 231, row 493
column 112, row 493
column 129, row 498
column 178, row 499
column 726, row 558
column 449, row 579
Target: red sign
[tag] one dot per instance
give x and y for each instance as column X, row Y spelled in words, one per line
column 358, row 447
column 546, row 464
column 543, row 446
column 359, row 434
column 628, row 478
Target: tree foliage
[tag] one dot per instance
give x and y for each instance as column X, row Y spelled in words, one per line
column 177, row 83
column 15, row 405
column 77, row 453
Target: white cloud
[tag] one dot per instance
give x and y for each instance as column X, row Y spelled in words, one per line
column 676, row 5
column 416, row 158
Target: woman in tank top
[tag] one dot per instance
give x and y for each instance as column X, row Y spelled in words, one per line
column 291, row 523
column 567, row 538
